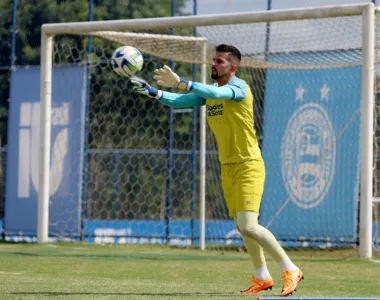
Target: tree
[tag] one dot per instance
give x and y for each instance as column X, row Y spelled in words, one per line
column 118, row 118
column 5, row 50
column 31, row 14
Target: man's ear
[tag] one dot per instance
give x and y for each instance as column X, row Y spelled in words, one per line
column 234, row 68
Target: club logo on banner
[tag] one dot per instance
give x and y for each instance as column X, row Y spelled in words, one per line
column 311, row 129
column 308, row 155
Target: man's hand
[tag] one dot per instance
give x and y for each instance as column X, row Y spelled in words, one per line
column 166, row 77
column 142, row 87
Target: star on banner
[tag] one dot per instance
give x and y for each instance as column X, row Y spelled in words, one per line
column 299, row 93
column 325, row 92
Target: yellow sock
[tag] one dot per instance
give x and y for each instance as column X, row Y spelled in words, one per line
column 255, row 252
column 257, row 256
column 248, row 224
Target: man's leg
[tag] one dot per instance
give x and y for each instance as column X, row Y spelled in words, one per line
column 261, row 274
column 261, row 280
column 247, row 222
column 257, row 256
column 256, row 253
column 248, row 185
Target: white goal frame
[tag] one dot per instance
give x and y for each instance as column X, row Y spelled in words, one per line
column 366, row 10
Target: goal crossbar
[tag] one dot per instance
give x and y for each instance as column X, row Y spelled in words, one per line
column 207, row 20
column 166, row 37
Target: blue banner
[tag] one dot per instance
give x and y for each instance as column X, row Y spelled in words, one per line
column 311, row 150
column 154, row 232
column 67, row 119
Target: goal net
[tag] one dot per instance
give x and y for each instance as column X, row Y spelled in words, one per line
column 127, row 169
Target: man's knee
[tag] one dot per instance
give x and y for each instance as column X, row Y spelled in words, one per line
column 247, row 221
column 247, row 229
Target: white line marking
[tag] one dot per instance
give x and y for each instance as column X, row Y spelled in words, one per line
column 9, row 273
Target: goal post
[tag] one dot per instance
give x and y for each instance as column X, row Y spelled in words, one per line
column 151, row 36
column 366, row 160
column 45, row 126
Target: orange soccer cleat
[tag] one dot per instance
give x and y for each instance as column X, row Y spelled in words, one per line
column 291, row 280
column 258, row 285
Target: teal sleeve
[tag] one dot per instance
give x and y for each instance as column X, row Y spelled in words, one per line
column 227, row 92
column 181, row 100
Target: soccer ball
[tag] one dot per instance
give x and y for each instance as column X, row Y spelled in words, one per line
column 127, row 61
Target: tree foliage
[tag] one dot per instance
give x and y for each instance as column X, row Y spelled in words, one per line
column 118, row 118
column 32, row 14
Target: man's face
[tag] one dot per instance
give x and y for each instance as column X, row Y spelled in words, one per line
column 221, row 65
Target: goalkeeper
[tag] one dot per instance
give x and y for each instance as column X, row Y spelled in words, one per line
column 229, row 109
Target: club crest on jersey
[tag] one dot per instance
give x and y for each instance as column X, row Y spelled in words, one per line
column 308, row 153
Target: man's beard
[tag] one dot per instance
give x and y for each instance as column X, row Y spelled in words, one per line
column 215, row 75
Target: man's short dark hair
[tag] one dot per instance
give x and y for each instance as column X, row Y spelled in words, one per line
column 229, row 48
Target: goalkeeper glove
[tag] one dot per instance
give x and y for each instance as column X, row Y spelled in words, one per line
column 142, row 87
column 166, row 77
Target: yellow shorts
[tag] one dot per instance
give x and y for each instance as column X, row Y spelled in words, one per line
column 243, row 185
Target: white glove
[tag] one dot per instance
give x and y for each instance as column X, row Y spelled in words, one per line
column 166, row 77
column 142, row 87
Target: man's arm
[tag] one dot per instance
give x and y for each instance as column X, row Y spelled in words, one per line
column 221, row 93
column 181, row 100
column 166, row 77
column 170, row 99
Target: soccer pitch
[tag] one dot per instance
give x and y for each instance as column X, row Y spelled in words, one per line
column 83, row 271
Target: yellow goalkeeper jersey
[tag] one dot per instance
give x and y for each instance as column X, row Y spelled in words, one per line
column 233, row 125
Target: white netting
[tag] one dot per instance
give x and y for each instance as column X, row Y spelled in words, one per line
column 345, row 49
column 141, row 159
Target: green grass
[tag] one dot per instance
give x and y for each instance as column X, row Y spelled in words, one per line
column 82, row 271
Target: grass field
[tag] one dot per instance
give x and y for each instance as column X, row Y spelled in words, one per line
column 82, row 271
